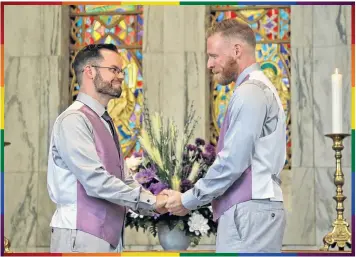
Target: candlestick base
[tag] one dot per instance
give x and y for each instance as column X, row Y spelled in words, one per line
column 340, row 236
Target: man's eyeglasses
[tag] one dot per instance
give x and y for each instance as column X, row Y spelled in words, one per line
column 114, row 70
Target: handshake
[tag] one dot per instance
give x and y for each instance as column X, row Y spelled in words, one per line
column 170, row 201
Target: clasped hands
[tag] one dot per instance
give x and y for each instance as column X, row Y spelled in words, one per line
column 170, row 201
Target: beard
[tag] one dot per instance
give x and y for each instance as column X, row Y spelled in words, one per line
column 228, row 73
column 107, row 87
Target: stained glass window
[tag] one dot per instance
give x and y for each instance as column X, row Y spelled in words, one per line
column 271, row 25
column 122, row 26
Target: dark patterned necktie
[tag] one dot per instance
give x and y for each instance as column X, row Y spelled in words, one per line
column 108, row 119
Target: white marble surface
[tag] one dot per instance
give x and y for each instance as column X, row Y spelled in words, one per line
column 55, row 30
column 45, row 212
column 301, row 22
column 197, row 83
column 21, row 208
column 153, row 80
column 302, row 107
column 53, row 99
column 22, row 87
column 300, row 228
column 326, row 59
column 173, row 29
column 153, row 29
column 175, row 73
column 23, row 38
column 195, row 19
column 331, row 25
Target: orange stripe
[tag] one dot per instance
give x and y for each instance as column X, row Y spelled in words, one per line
column 353, row 66
column 90, row 3
column 2, row 66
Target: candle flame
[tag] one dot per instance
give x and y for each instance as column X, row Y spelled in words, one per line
column 336, row 71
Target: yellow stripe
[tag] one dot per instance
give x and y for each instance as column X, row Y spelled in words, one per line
column 150, row 254
column 149, row 3
column 2, row 104
column 353, row 108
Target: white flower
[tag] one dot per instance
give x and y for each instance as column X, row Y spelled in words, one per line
column 133, row 162
column 133, row 214
column 198, row 224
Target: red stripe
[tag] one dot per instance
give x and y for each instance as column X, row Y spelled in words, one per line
column 353, row 24
column 31, row 3
column 2, row 23
column 33, row 254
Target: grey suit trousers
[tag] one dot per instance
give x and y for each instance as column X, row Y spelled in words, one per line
column 72, row 240
column 251, row 227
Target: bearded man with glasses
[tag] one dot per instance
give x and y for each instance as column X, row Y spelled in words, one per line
column 87, row 177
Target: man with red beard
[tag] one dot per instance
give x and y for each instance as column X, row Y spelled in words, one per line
column 86, row 170
column 243, row 183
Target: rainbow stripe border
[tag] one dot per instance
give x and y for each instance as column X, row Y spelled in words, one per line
column 183, row 254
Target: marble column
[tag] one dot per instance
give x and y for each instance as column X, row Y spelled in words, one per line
column 174, row 73
column 36, row 91
column 321, row 42
column 174, row 62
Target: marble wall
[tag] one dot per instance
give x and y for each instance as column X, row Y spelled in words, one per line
column 320, row 42
column 36, row 91
column 174, row 63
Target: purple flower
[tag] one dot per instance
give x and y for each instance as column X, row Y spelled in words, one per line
column 191, row 147
column 186, row 185
column 199, row 142
column 210, row 148
column 136, row 155
column 145, row 175
column 157, row 188
column 209, row 158
column 186, row 170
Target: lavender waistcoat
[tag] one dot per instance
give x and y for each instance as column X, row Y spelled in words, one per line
column 240, row 191
column 95, row 216
column 260, row 179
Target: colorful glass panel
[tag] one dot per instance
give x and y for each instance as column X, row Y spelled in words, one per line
column 272, row 28
column 123, row 27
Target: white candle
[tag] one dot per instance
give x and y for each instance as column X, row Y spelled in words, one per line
column 336, row 80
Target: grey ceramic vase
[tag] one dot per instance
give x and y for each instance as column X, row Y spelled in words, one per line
column 172, row 240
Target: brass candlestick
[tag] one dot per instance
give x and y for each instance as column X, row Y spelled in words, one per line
column 340, row 235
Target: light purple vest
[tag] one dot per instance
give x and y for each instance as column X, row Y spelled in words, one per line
column 240, row 191
column 95, row 216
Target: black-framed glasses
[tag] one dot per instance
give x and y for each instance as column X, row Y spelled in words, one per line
column 114, row 70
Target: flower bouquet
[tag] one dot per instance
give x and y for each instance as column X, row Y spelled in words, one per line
column 170, row 162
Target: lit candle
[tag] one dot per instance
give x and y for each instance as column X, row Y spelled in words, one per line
column 336, row 80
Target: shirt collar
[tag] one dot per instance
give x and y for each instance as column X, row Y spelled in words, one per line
column 91, row 103
column 246, row 72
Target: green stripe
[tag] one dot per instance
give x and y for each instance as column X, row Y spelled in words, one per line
column 2, row 149
column 208, row 254
column 353, row 150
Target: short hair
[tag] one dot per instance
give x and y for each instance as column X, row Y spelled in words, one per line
column 234, row 28
column 89, row 54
